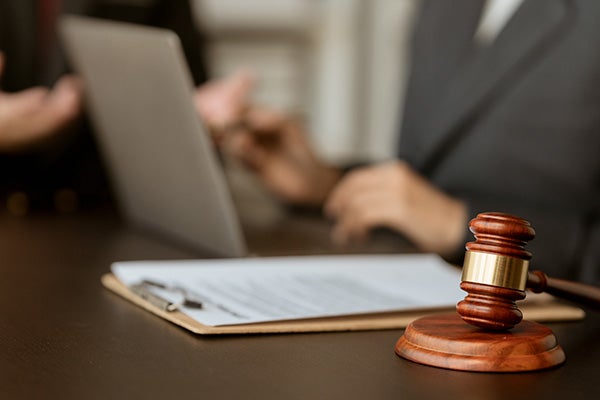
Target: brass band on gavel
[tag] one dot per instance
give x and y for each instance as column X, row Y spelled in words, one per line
column 495, row 270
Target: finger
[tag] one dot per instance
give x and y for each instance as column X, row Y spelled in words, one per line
column 73, row 82
column 365, row 212
column 354, row 184
column 222, row 102
column 240, row 86
column 59, row 107
column 361, row 204
column 354, row 221
column 373, row 178
column 24, row 102
column 66, row 97
column 244, row 148
column 353, row 228
column 265, row 121
column 265, row 127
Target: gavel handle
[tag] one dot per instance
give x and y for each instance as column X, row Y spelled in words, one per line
column 579, row 293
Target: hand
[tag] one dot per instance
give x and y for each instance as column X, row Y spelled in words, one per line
column 222, row 103
column 33, row 115
column 272, row 144
column 392, row 195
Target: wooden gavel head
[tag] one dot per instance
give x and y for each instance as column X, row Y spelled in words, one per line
column 495, row 271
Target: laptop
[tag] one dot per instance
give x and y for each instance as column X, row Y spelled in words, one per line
column 164, row 169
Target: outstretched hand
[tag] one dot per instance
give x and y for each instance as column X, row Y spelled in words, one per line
column 394, row 196
column 33, row 115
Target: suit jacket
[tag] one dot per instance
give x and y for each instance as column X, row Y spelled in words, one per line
column 72, row 162
column 514, row 126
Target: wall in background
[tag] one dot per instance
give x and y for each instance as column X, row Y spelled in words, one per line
column 338, row 64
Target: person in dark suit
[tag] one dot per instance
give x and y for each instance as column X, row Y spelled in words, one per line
column 48, row 158
column 512, row 126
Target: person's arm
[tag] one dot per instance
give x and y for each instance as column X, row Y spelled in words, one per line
column 394, row 196
column 275, row 147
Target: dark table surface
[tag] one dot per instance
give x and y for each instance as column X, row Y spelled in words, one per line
column 62, row 335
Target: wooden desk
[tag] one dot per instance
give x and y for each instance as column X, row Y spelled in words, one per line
column 64, row 336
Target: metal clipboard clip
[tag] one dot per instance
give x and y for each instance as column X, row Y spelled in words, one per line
column 144, row 290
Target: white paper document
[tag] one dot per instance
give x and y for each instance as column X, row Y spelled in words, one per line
column 252, row 290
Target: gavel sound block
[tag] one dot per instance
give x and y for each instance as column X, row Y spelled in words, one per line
column 487, row 335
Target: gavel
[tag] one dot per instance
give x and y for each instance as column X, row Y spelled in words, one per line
column 495, row 274
column 487, row 334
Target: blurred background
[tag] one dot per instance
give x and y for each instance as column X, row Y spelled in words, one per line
column 340, row 65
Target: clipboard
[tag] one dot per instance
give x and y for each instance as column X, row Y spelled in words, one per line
column 539, row 307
